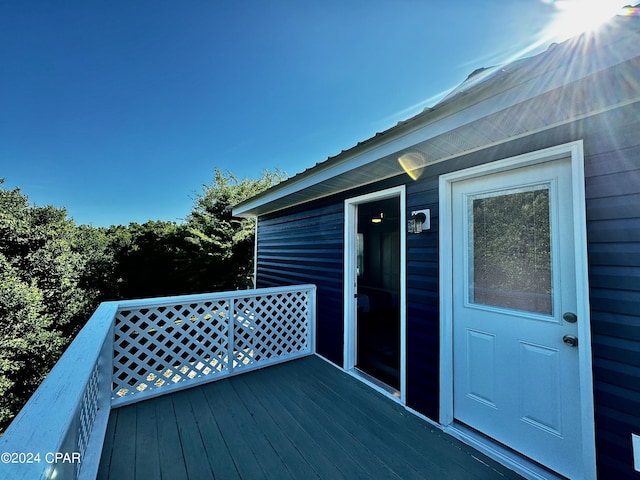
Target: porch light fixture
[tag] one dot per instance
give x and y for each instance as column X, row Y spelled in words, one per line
column 419, row 221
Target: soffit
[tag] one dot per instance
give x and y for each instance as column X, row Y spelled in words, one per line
column 559, row 85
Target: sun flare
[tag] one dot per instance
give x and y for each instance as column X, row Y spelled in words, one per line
column 574, row 17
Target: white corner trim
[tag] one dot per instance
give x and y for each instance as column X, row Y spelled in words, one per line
column 255, row 255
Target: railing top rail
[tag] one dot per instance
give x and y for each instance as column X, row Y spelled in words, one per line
column 201, row 297
column 165, row 344
column 42, row 424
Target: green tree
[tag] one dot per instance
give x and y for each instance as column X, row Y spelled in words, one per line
column 222, row 255
column 54, row 273
column 98, row 280
column 146, row 259
column 210, row 251
column 29, row 346
column 42, row 303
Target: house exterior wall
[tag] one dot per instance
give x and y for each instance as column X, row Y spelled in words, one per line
column 612, row 170
column 305, row 245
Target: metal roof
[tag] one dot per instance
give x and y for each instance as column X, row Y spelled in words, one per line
column 491, row 106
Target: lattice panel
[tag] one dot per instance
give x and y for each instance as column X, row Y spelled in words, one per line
column 269, row 326
column 88, row 411
column 159, row 346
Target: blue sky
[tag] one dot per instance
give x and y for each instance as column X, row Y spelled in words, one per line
column 120, row 111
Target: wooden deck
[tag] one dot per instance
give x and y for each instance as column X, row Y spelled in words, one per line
column 299, row 420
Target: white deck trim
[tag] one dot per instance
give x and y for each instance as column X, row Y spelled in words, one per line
column 51, row 421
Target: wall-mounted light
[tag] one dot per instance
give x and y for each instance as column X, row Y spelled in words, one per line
column 420, row 220
column 378, row 219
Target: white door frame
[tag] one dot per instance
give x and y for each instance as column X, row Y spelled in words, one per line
column 574, row 150
column 350, row 280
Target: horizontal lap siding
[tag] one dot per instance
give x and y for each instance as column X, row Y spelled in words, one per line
column 306, row 246
column 612, row 184
column 612, row 170
column 423, row 322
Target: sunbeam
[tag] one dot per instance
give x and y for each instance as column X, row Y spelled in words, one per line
column 574, row 17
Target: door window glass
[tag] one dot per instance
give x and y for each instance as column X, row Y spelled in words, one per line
column 510, row 249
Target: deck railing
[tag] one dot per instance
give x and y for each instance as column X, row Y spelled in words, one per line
column 137, row 349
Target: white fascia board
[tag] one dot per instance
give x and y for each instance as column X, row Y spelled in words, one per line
column 454, row 114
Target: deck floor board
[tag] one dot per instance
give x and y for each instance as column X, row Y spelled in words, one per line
column 239, row 426
column 191, row 437
column 219, row 458
column 302, row 429
column 172, row 459
column 382, row 442
column 107, row 447
column 303, row 419
column 397, row 424
column 267, row 420
column 125, row 449
column 147, row 441
column 341, row 448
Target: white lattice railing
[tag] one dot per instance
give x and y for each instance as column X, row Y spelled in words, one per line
column 132, row 350
column 168, row 344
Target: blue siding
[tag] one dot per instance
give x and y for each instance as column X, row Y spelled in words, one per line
column 305, row 244
column 423, row 321
column 612, row 169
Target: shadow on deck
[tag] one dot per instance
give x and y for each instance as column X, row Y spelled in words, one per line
column 298, row 420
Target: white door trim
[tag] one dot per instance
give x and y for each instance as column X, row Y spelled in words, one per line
column 574, row 150
column 350, row 254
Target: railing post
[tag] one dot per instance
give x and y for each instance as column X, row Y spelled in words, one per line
column 231, row 327
column 311, row 327
column 91, row 460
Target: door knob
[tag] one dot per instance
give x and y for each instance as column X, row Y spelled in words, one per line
column 570, row 340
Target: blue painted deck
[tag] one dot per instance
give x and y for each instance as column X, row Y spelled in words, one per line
column 299, row 420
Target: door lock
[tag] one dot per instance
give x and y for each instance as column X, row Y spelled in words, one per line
column 570, row 340
column 570, row 317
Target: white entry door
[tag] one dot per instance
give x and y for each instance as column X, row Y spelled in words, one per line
column 516, row 374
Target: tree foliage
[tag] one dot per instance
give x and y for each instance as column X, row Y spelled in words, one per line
column 53, row 273
column 223, row 245
column 27, row 340
column 41, row 304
